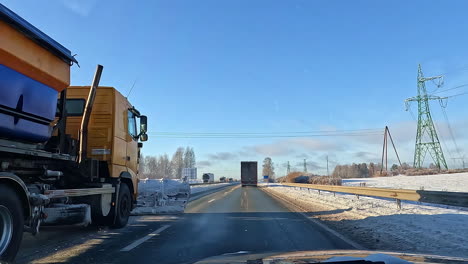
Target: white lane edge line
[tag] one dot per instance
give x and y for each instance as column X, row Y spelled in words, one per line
column 140, row 241
column 211, row 200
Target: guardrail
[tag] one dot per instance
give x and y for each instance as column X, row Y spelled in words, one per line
column 435, row 197
column 207, row 183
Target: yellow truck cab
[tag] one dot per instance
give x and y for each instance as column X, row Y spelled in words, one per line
column 112, row 131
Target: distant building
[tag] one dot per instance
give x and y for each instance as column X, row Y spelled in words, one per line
column 189, row 173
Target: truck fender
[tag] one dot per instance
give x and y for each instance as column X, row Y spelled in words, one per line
column 20, row 187
column 126, row 178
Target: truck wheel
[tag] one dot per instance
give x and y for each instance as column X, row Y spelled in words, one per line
column 124, row 206
column 11, row 223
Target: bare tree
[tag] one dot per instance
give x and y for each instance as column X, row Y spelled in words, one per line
column 151, row 167
column 165, row 166
column 177, row 163
column 189, row 158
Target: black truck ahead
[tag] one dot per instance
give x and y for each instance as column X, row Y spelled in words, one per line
column 249, row 173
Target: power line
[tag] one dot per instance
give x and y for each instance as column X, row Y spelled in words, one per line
column 453, row 88
column 451, row 131
column 294, row 134
column 266, row 136
column 457, row 95
column 270, row 133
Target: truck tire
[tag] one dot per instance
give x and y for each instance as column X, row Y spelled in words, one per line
column 11, row 223
column 124, row 206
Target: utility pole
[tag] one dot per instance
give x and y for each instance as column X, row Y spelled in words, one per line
column 328, row 174
column 426, row 135
column 385, row 150
column 305, row 166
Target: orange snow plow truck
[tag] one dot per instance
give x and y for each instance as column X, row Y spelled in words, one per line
column 68, row 155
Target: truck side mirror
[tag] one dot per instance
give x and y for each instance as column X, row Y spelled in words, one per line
column 143, row 137
column 143, row 124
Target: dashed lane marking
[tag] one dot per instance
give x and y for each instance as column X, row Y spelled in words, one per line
column 145, row 238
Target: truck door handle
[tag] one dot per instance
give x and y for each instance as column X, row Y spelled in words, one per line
column 128, row 158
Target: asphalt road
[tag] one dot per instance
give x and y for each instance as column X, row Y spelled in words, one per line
column 231, row 220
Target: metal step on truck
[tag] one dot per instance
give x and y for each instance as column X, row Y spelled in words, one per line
column 68, row 155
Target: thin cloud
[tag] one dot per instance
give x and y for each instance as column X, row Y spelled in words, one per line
column 292, row 146
column 302, row 156
column 363, row 154
column 80, row 7
column 222, row 156
column 203, row 164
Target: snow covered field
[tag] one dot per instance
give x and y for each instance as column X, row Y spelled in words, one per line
column 456, row 182
column 378, row 224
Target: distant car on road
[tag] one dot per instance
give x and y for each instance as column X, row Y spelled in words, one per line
column 208, row 178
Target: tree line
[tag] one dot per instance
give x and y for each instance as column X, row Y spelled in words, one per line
column 159, row 166
column 364, row 170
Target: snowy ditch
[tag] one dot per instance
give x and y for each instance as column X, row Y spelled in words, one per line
column 378, row 224
column 156, row 196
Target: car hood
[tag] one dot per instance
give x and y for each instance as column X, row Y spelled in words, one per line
column 329, row 256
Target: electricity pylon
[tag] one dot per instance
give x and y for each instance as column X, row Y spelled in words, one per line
column 426, row 135
column 288, row 169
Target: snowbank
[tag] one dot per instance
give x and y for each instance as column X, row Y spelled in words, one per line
column 166, row 196
column 378, row 224
column 161, row 196
column 456, row 182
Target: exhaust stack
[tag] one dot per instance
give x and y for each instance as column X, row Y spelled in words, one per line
column 87, row 114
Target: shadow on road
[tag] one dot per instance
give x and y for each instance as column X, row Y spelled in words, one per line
column 196, row 236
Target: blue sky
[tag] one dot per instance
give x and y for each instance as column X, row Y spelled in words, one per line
column 268, row 66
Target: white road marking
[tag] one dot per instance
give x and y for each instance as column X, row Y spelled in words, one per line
column 211, row 200
column 145, row 238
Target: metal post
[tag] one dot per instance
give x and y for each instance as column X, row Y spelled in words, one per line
column 383, row 150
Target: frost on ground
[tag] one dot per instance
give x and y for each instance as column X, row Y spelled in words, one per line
column 378, row 224
column 456, row 182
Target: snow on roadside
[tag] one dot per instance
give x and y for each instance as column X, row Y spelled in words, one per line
column 156, row 196
column 456, row 182
column 378, row 224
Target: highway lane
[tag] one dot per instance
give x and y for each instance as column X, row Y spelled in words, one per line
column 231, row 220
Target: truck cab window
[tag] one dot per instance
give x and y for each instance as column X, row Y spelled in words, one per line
column 75, row 107
column 132, row 124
